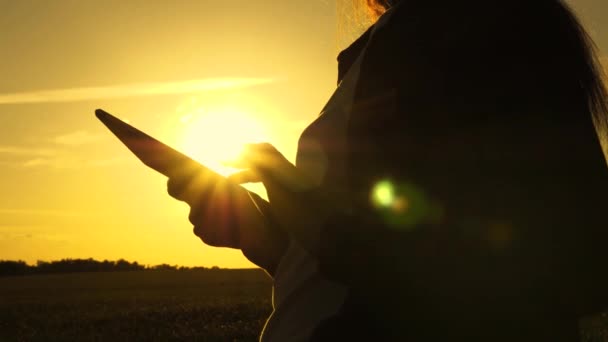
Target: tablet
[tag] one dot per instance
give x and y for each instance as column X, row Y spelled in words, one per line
column 165, row 159
column 150, row 151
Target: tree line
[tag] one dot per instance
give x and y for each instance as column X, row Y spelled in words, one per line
column 19, row 267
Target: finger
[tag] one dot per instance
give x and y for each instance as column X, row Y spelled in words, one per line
column 250, row 153
column 197, row 214
column 263, row 156
column 215, row 223
column 209, row 236
column 246, row 176
column 272, row 165
column 176, row 188
column 206, row 235
column 201, row 207
column 188, row 189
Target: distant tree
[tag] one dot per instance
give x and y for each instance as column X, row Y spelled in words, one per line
column 8, row 267
column 122, row 265
column 42, row 267
column 164, row 267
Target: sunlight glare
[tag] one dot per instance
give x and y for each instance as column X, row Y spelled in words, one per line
column 217, row 136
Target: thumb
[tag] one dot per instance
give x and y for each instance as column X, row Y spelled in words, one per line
column 263, row 156
column 245, row 176
column 272, row 167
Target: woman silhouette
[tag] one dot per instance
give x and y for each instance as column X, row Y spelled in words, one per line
column 454, row 187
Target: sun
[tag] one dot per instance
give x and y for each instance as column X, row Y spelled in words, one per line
column 215, row 136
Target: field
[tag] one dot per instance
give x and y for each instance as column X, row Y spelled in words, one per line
column 195, row 305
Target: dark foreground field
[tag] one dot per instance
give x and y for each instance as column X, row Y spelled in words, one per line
column 194, row 305
column 199, row 305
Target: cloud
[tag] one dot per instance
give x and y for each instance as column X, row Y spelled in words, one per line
column 40, row 212
column 26, row 156
column 27, row 233
column 69, row 163
column 130, row 90
column 77, row 138
column 36, row 162
column 26, row 151
column 31, row 157
column 63, row 162
column 106, row 162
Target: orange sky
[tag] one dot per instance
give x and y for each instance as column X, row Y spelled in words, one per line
column 68, row 188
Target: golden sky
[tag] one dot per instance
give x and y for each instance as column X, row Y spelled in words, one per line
column 177, row 69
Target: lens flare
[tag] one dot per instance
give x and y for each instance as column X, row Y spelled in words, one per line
column 402, row 205
column 383, row 194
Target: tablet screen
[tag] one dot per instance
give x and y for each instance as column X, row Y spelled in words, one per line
column 150, row 151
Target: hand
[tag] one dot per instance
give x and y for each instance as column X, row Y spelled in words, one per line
column 224, row 215
column 295, row 201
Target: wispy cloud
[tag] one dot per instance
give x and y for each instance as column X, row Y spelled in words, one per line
column 40, row 212
column 16, row 233
column 64, row 162
column 59, row 162
column 130, row 90
column 31, row 157
column 107, row 162
column 36, row 162
column 77, row 138
column 26, row 151
column 16, row 156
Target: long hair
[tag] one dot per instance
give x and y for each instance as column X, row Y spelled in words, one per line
column 545, row 29
column 377, row 7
